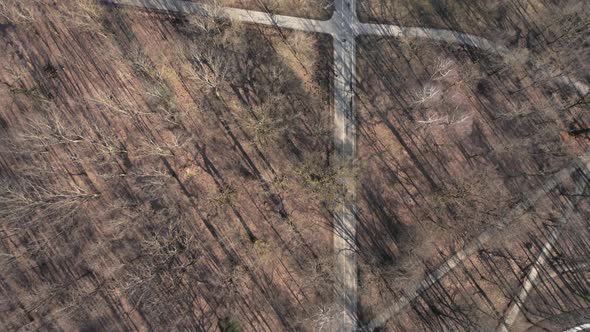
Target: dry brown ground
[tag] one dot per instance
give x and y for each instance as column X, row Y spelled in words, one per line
column 135, row 197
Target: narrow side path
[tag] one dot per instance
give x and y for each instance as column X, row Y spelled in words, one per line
column 241, row 15
column 579, row 328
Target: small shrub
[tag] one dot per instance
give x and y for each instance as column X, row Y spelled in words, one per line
column 228, row 324
column 225, row 197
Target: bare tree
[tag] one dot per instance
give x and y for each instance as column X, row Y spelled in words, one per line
column 325, row 316
column 18, row 12
column 211, row 23
column 28, row 201
column 83, row 15
column 153, row 181
column 52, row 129
column 451, row 116
column 442, row 69
column 426, row 94
column 210, row 68
column 162, row 102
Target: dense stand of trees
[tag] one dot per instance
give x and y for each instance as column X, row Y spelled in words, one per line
column 472, row 135
column 142, row 189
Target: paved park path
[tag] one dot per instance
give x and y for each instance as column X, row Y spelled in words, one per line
column 344, row 27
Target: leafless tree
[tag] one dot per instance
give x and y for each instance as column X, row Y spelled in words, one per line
column 210, row 23
column 325, row 317
column 52, row 129
column 153, row 181
column 83, row 15
column 18, row 12
column 211, row 68
column 442, row 69
column 426, row 93
column 454, row 116
column 28, row 201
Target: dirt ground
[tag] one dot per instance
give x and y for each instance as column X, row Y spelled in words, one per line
column 137, row 196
